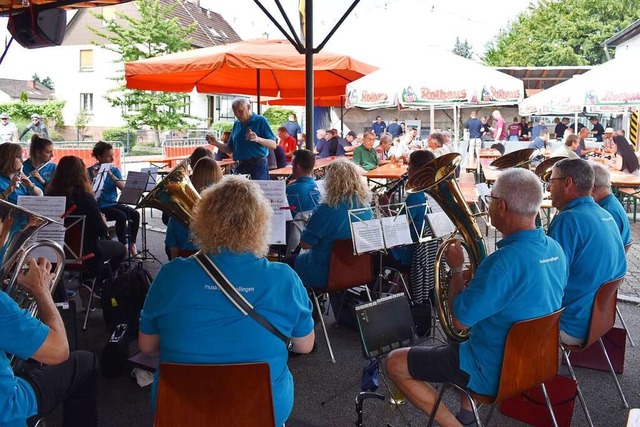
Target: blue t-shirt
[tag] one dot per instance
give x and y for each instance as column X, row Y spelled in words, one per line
column 325, row 225
column 46, row 172
column 612, row 205
column 179, row 237
column 522, row 280
column 109, row 195
column 537, row 143
column 378, row 128
column 293, row 128
column 21, row 334
column 242, row 148
column 303, row 194
column 416, row 206
column 341, row 144
column 322, row 148
column 595, row 255
column 475, row 128
column 5, row 183
column 394, row 129
column 198, row 324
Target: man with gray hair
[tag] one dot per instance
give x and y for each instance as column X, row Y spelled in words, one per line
column 522, row 280
column 250, row 140
column 610, row 203
column 590, row 240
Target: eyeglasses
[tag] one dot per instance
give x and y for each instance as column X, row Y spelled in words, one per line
column 559, row 177
column 487, row 198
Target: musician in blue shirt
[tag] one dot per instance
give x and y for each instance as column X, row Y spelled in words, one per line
column 39, row 167
column 602, row 196
column 122, row 214
column 251, row 137
column 13, row 182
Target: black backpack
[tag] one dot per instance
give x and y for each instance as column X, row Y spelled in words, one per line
column 123, row 299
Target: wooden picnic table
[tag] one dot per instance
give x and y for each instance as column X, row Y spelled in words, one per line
column 166, row 161
column 287, row 170
column 388, row 171
column 489, row 153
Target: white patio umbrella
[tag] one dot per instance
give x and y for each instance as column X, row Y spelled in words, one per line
column 612, row 87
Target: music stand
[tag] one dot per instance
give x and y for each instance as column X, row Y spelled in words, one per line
column 384, row 325
column 134, row 188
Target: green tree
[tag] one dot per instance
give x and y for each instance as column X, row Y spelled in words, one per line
column 155, row 33
column 82, row 123
column 561, row 32
column 46, row 82
column 463, row 48
column 276, row 116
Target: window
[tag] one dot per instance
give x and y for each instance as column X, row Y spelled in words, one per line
column 225, row 112
column 86, row 60
column 186, row 109
column 86, row 101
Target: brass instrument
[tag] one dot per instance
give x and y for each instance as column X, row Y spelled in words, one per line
column 174, row 195
column 515, row 159
column 437, row 178
column 17, row 226
column 543, row 170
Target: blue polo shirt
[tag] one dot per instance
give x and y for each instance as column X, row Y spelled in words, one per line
column 612, row 205
column 378, row 128
column 109, row 195
column 303, row 194
column 537, row 143
column 595, row 255
column 341, row 144
column 242, row 148
column 325, row 225
column 179, row 237
column 21, row 334
column 198, row 324
column 46, row 172
column 416, row 207
column 322, row 148
column 5, row 183
column 522, row 280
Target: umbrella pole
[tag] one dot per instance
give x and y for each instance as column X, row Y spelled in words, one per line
column 342, row 116
column 258, row 87
column 308, row 62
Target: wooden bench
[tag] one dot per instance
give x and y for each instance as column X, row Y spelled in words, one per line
column 631, row 194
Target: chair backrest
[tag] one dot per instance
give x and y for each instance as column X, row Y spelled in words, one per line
column 603, row 313
column 221, row 395
column 347, row 270
column 530, row 355
column 74, row 239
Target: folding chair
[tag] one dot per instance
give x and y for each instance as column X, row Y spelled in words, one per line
column 205, row 395
column 624, row 324
column 346, row 270
column 75, row 258
column 530, row 359
column 603, row 317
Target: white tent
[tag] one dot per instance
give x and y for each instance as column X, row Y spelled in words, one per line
column 612, row 87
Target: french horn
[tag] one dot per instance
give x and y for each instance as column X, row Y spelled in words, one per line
column 174, row 195
column 437, row 178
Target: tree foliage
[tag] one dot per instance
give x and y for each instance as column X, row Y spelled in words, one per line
column 155, row 33
column 463, row 48
column 51, row 111
column 276, row 116
column 561, row 32
column 46, row 82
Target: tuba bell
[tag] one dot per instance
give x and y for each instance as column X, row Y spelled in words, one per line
column 543, row 170
column 515, row 159
column 437, row 178
column 17, row 226
column 174, row 195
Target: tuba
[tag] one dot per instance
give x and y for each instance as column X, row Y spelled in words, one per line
column 174, row 195
column 543, row 170
column 17, row 226
column 515, row 159
column 437, row 178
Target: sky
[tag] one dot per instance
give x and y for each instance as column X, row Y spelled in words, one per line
column 378, row 31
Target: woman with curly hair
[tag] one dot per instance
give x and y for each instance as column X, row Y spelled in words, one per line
column 186, row 319
column 344, row 190
column 206, row 172
column 123, row 215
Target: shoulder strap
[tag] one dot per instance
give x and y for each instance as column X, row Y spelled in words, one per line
column 236, row 297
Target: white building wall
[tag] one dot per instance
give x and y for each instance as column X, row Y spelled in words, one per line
column 628, row 49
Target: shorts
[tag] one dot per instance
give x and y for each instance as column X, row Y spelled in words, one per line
column 437, row 364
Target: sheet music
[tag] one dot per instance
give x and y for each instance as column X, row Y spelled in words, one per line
column 440, row 224
column 482, row 189
column 135, row 185
column 367, row 235
column 98, row 179
column 53, row 207
column 153, row 177
column 396, row 231
column 275, row 192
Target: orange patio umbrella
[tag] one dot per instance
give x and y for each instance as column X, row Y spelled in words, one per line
column 255, row 67
column 318, row 101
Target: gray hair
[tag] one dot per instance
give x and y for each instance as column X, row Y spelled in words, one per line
column 521, row 190
column 240, row 101
column 602, row 178
column 386, row 137
column 446, row 134
column 580, row 172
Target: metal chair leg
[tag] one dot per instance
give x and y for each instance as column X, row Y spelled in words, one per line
column 565, row 354
column 432, row 416
column 324, row 327
column 86, row 315
column 549, row 406
column 613, row 374
column 624, row 325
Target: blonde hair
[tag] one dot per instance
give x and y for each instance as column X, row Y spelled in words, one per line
column 205, row 173
column 233, row 215
column 343, row 183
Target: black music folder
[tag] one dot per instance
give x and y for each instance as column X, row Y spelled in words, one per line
column 385, row 324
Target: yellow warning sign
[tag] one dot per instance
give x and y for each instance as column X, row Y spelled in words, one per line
column 633, row 129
